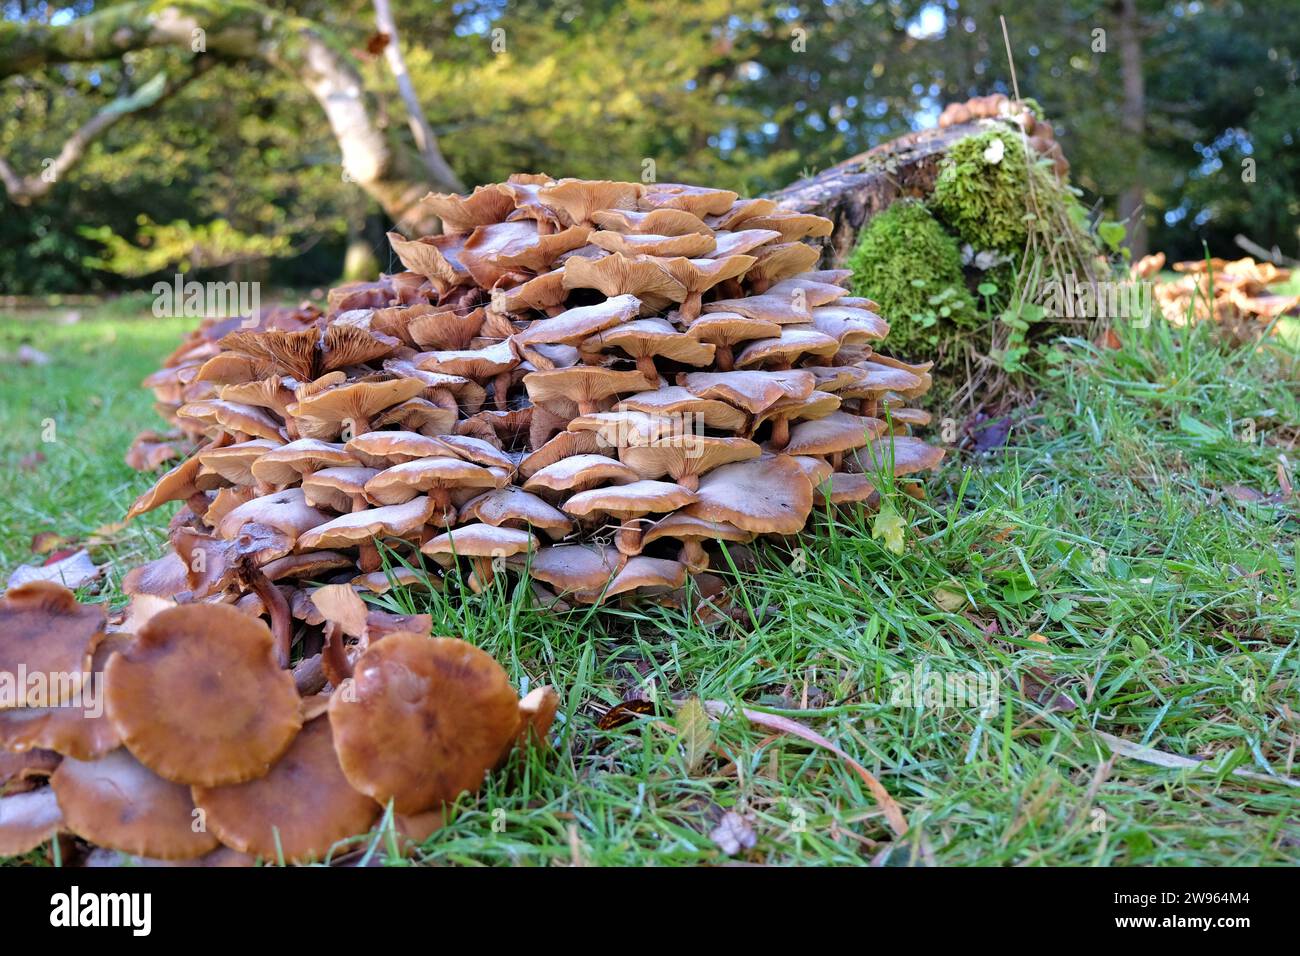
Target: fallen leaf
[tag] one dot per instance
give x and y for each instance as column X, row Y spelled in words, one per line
column 1243, row 494
column 949, row 600
column 694, row 732
column 733, row 833
column 889, row 524
column 1109, row 340
column 624, row 713
column 44, row 542
column 1037, row 685
column 1038, row 638
column 72, row 572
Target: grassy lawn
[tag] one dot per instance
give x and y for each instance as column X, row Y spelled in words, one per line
column 1106, row 573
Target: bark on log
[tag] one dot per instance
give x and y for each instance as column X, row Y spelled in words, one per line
column 852, row 192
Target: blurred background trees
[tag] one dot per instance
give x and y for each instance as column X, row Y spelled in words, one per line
column 1182, row 114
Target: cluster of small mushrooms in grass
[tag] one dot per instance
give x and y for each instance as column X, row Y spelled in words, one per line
column 204, row 750
column 1233, row 293
column 594, row 383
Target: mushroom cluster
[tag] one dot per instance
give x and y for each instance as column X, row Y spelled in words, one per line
column 1234, row 293
column 592, row 382
column 180, row 735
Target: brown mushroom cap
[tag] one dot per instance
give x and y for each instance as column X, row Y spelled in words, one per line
column 679, row 402
column 476, row 364
column 642, row 573
column 838, row 431
column 481, row 541
column 846, row 489
column 381, row 449
column 298, row 811
column 645, row 338
column 396, row 521
column 354, row 402
column 907, row 455
column 786, row 348
column 849, row 326
column 43, row 630
column 427, row 718
column 647, row 244
column 337, row 488
column 174, row 485
column 700, row 200
column 402, row 482
column 768, row 495
column 235, row 462
column 436, row 257
column 233, row 417
column 813, row 291
column 742, row 241
column 659, row 222
column 578, row 473
column 582, row 385
column 198, row 698
column 287, row 464
column 688, row 456
column 119, row 803
column 486, row 204
column 780, row 309
column 27, row 820
column 631, row 500
column 617, row 274
column 512, row 506
column 572, row 326
column 574, row 567
column 286, row 511
column 728, row 328
column 752, row 391
column 684, row 526
column 494, row 251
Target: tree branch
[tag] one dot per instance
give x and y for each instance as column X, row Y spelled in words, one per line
column 422, row 132
column 23, row 190
column 385, row 167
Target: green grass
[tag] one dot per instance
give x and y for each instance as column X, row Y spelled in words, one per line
column 1098, row 553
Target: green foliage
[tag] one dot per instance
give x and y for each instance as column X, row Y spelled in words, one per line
column 982, row 191
column 160, row 246
column 906, row 262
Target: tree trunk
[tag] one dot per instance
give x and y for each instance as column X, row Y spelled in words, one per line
column 852, row 192
column 376, row 159
column 1133, row 120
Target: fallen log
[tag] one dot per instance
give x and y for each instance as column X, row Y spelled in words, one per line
column 852, row 192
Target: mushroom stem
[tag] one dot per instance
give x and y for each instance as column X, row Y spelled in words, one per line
column 628, row 538
column 335, row 653
column 724, row 358
column 441, row 497
column 481, row 577
column 198, row 503
column 690, row 308
column 837, row 458
column 646, row 365
column 780, row 436
column 368, row 557
column 278, row 610
column 587, row 406
column 689, row 481
column 501, row 390
column 591, row 358
column 309, row 676
column 693, row 555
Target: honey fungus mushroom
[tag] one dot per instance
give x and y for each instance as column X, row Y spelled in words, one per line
column 426, row 719
column 198, row 697
column 482, row 544
column 628, row 503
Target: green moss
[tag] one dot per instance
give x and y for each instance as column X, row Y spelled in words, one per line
column 981, row 192
column 906, row 262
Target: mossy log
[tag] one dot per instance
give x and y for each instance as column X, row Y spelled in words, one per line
column 852, row 192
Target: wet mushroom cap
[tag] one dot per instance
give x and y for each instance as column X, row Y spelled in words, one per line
column 198, row 698
column 286, row 464
column 481, row 541
column 118, row 802
column 580, row 472
column 398, row 521
column 298, row 811
column 768, row 495
column 43, row 630
column 636, row 498
column 28, row 819
column 425, row 721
